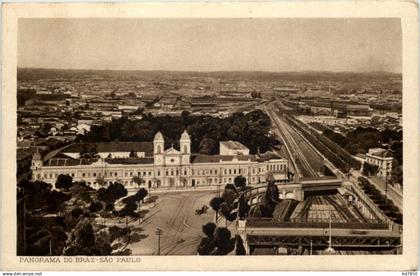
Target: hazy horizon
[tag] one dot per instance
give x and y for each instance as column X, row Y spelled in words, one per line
column 212, row 45
column 215, row 71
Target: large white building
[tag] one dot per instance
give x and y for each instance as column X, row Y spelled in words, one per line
column 157, row 166
column 383, row 159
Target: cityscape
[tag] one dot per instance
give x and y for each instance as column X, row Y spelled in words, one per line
column 209, row 162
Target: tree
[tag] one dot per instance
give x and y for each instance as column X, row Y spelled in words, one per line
column 129, row 210
column 397, row 173
column 81, row 192
column 82, row 241
column 64, row 182
column 215, row 203
column 138, row 180
column 271, row 198
column 369, row 169
column 129, row 199
column 112, row 193
column 100, row 180
column 43, row 241
column 229, row 196
column 240, row 182
column 109, row 207
column 223, row 242
column 76, row 212
column 208, row 229
column 95, row 206
column 118, row 233
column 207, row 243
column 230, row 187
column 141, row 194
column 206, row 145
column 185, row 117
column 251, row 129
column 244, row 207
column 41, row 198
column 226, row 211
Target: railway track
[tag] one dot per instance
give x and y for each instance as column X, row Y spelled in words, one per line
column 347, row 215
column 282, row 211
column 305, row 169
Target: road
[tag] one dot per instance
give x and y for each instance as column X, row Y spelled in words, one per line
column 306, row 161
column 174, row 213
column 394, row 194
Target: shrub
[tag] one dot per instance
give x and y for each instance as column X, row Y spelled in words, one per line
column 216, row 202
column 64, row 182
column 240, row 182
column 95, row 206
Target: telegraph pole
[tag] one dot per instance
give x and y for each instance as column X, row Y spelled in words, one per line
column 50, row 245
column 386, row 188
column 158, row 233
column 311, row 247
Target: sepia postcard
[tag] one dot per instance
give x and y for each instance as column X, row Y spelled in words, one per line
column 210, row 136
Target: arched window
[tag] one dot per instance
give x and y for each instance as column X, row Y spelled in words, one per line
column 185, row 149
column 158, row 149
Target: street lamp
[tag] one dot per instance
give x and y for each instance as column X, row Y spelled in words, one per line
column 386, row 187
column 158, row 233
column 330, row 250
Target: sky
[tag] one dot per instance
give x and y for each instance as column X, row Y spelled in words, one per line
column 246, row 44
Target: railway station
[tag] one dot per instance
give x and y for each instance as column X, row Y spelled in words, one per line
column 336, row 216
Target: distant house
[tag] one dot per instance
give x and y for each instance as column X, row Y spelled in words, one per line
column 82, row 128
column 113, row 149
column 128, row 107
column 112, row 114
column 233, row 148
column 53, row 131
column 168, row 103
column 43, row 92
column 382, row 158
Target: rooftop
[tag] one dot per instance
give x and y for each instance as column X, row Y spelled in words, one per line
column 234, row 145
column 202, row 158
column 380, row 152
column 146, row 147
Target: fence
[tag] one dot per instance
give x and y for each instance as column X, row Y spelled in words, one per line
column 268, row 222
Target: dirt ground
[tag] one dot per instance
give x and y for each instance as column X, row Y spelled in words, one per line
column 174, row 213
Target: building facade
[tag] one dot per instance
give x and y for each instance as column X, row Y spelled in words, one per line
column 151, row 165
column 381, row 158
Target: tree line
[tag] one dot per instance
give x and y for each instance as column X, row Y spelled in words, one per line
column 251, row 129
column 362, row 139
column 72, row 209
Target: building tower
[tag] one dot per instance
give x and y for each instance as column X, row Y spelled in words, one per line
column 158, row 148
column 36, row 162
column 185, row 147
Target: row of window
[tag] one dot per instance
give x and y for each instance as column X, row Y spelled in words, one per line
column 276, row 167
column 52, row 175
column 143, row 173
column 171, row 172
column 378, row 162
